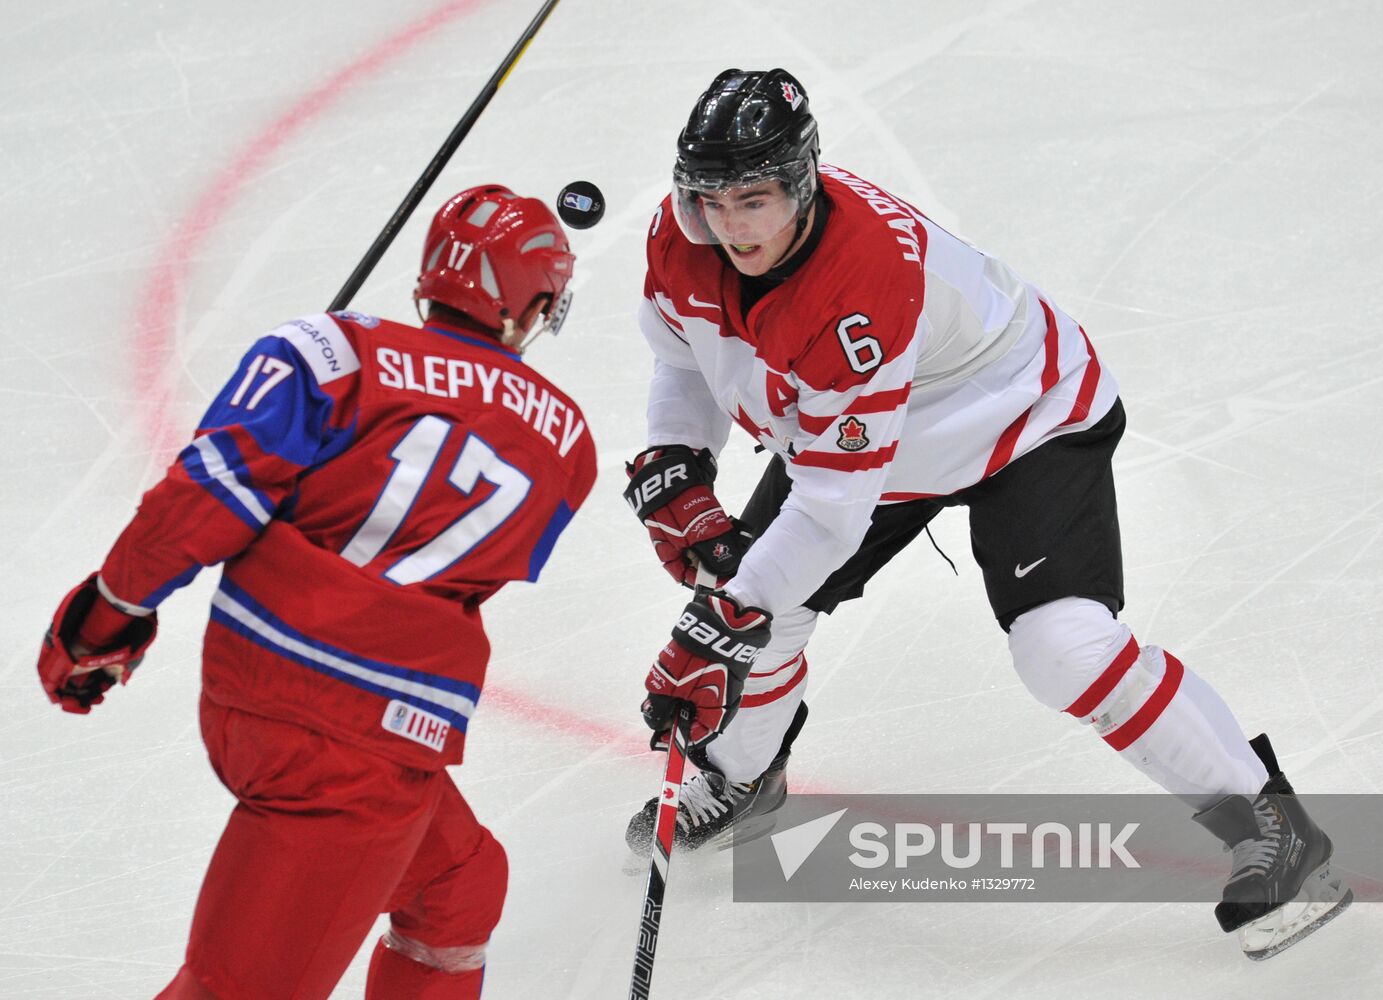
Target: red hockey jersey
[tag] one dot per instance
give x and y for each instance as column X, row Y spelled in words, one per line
column 897, row 362
column 368, row 485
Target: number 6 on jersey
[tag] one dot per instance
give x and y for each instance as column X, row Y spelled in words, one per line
column 415, row 455
column 862, row 351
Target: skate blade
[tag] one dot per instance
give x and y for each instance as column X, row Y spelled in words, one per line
column 1323, row 897
column 744, row 831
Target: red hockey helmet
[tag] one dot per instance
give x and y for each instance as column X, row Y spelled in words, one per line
column 491, row 254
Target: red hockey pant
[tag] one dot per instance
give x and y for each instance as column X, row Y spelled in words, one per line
column 326, row 837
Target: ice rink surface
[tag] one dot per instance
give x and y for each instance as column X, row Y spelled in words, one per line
column 1197, row 183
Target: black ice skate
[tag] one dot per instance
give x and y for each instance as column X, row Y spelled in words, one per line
column 1280, row 886
column 714, row 811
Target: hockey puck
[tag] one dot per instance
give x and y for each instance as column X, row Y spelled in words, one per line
column 581, row 205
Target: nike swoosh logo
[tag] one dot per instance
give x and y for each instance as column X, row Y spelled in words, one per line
column 1022, row 571
column 692, row 300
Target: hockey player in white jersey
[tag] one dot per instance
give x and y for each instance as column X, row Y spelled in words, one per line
column 893, row 370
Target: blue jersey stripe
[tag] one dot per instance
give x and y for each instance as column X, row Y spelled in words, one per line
column 194, row 463
column 452, row 699
column 561, row 517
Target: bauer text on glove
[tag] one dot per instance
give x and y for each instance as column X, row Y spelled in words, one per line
column 714, row 645
column 670, row 491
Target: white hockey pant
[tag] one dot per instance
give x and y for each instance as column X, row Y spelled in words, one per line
column 772, row 692
column 1164, row 720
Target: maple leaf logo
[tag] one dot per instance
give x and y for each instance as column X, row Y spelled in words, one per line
column 852, row 435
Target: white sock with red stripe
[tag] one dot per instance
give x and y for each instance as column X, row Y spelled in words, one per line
column 1162, row 718
column 772, row 692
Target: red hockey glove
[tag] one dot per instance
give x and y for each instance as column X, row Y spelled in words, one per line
column 670, row 491
column 90, row 645
column 714, row 644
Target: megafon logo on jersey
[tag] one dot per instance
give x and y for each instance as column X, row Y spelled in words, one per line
column 793, row 96
column 852, row 435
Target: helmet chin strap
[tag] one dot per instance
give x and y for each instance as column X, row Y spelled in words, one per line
column 517, row 339
column 801, row 227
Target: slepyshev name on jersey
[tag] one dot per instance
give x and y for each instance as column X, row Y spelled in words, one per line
column 456, row 378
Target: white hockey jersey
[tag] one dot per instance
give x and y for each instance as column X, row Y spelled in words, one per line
column 898, row 362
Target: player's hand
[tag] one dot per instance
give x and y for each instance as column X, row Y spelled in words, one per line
column 89, row 647
column 714, row 645
column 670, row 491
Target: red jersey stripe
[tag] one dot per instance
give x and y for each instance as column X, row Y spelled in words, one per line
column 1081, row 408
column 881, row 402
column 1008, row 440
column 1051, row 374
column 1051, row 370
column 669, row 320
column 846, row 463
column 874, row 402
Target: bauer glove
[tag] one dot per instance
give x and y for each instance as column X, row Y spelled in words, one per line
column 714, row 644
column 670, row 491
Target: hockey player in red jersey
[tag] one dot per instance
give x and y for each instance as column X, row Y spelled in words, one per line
column 893, row 370
column 368, row 486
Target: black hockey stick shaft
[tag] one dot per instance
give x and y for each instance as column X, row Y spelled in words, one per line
column 433, row 169
column 664, row 827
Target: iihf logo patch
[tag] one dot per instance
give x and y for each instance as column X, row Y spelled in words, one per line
column 792, row 95
column 413, row 723
column 852, row 435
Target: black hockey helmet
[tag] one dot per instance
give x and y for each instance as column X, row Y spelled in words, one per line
column 749, row 126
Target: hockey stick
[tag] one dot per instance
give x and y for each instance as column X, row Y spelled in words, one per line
column 424, row 182
column 665, row 826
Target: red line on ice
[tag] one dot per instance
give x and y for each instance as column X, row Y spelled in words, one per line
column 569, row 723
column 158, row 302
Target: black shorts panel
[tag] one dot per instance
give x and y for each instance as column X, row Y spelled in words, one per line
column 893, row 527
column 1050, row 516
column 1046, row 526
